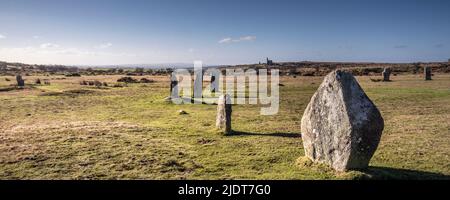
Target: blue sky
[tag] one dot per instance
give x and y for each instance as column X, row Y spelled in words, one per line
column 100, row 32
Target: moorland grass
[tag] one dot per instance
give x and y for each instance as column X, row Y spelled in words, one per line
column 70, row 131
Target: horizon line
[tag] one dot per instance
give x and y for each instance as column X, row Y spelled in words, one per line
column 213, row 65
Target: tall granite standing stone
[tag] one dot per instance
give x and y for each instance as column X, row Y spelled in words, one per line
column 213, row 84
column 20, row 81
column 427, row 73
column 341, row 126
column 198, row 86
column 173, row 89
column 173, row 86
column 386, row 74
column 223, row 120
column 215, row 80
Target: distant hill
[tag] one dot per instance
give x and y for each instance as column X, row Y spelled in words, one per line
column 7, row 68
column 304, row 68
column 145, row 66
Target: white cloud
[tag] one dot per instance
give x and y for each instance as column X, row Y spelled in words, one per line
column 36, row 37
column 225, row 40
column 191, row 50
column 247, row 38
column 2, row 36
column 104, row 46
column 243, row 38
column 49, row 45
column 39, row 55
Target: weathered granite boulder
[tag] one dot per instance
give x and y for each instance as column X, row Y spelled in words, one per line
column 341, row 126
column 182, row 112
column 223, row 120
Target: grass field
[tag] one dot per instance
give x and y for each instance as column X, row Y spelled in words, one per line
column 69, row 131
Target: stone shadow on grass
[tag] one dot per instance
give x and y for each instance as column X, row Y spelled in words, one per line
column 401, row 174
column 289, row 135
column 372, row 172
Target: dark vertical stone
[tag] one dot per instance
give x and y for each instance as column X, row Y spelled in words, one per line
column 213, row 83
column 20, row 81
column 386, row 74
column 427, row 73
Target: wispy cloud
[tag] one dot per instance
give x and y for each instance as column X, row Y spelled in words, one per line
column 61, row 55
column 231, row 40
column 48, row 46
column 191, row 50
column 439, row 45
column 225, row 40
column 401, row 46
column 104, row 46
column 2, row 36
column 247, row 38
column 36, row 37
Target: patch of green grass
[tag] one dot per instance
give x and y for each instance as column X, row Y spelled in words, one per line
column 63, row 132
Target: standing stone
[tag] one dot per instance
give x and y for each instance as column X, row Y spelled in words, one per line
column 427, row 73
column 341, row 126
column 213, row 84
column 223, row 120
column 198, row 83
column 386, row 74
column 20, row 81
column 173, row 86
column 215, row 80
